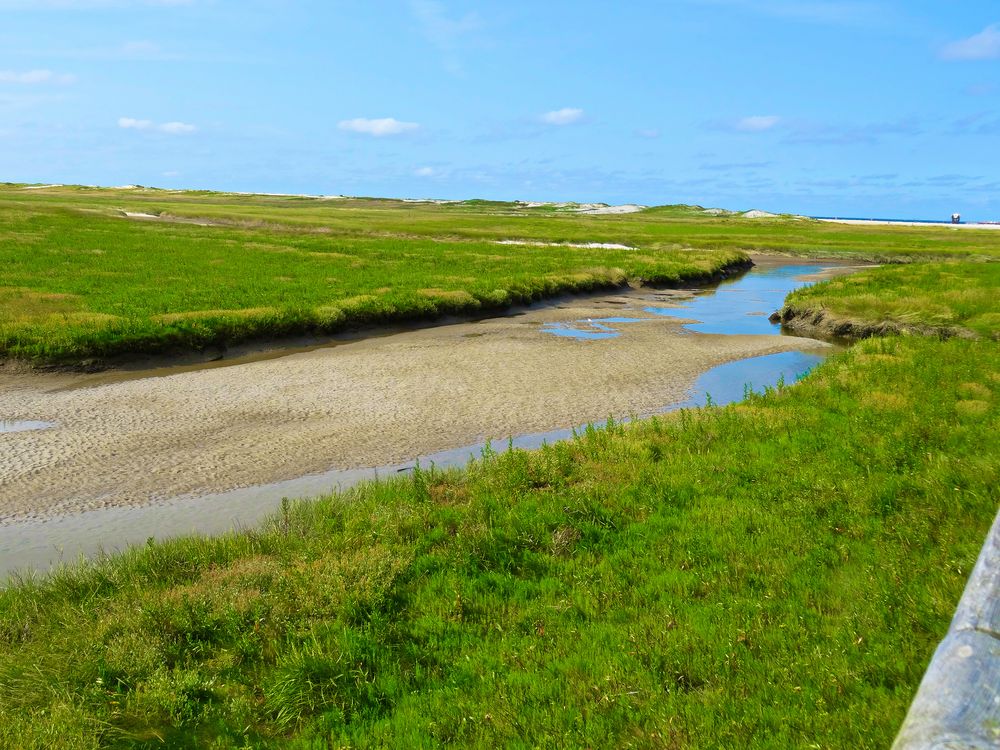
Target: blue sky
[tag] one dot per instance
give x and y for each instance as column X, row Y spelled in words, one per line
column 824, row 107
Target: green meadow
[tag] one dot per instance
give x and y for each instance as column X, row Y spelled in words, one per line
column 770, row 574
column 79, row 281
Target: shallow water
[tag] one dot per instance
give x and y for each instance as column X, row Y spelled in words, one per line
column 581, row 330
column 735, row 307
column 741, row 305
column 591, row 328
column 23, row 425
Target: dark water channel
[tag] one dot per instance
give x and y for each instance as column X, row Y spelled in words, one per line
column 737, row 306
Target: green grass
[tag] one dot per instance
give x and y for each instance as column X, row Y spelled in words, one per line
column 768, row 575
column 663, row 227
column 76, row 285
column 78, row 281
column 936, row 296
column 771, row 574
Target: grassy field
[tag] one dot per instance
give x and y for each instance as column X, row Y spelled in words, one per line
column 662, row 227
column 79, row 281
column 953, row 298
column 772, row 574
column 768, row 575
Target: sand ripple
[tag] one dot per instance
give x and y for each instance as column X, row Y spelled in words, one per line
column 367, row 403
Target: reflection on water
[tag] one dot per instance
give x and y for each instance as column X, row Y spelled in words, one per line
column 584, row 329
column 731, row 382
column 589, row 328
column 741, row 305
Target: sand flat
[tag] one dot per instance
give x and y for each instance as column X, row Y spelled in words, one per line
column 366, row 403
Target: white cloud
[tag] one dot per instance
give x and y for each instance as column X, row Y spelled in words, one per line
column 564, row 116
column 171, row 128
column 757, row 123
column 34, row 77
column 176, row 128
column 425, row 172
column 377, row 127
column 648, row 133
column 131, row 123
column 982, row 46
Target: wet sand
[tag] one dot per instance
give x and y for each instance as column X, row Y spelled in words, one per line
column 135, row 441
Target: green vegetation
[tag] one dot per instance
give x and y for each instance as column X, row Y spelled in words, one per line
column 79, row 280
column 659, row 228
column 75, row 286
column 771, row 574
column 947, row 297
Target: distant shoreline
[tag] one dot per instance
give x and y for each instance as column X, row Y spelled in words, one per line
column 907, row 222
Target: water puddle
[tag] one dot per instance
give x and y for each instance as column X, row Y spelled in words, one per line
column 581, row 330
column 23, row 425
column 590, row 328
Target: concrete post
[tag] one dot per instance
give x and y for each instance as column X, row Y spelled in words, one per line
column 957, row 706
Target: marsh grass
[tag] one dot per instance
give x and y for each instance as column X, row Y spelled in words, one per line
column 661, row 227
column 78, row 281
column 946, row 297
column 771, row 574
column 76, row 285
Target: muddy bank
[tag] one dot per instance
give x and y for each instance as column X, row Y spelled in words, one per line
column 822, row 324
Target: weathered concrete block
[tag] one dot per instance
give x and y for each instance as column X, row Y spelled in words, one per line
column 958, row 704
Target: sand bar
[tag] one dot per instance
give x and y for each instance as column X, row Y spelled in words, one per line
column 365, row 403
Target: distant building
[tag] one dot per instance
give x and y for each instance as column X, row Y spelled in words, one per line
column 956, row 218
